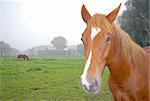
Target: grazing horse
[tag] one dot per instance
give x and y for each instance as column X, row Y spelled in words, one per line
column 106, row 44
column 23, row 56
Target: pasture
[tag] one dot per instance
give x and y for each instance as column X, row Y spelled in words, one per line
column 46, row 79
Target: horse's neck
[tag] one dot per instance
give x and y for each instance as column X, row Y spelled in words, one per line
column 133, row 65
column 120, row 68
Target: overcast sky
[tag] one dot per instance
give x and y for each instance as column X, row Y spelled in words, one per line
column 28, row 23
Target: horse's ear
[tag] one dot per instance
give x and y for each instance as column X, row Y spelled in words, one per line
column 85, row 14
column 112, row 16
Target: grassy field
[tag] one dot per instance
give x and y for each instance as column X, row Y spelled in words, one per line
column 46, row 79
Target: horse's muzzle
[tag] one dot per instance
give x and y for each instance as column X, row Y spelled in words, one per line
column 92, row 87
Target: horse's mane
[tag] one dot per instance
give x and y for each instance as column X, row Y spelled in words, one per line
column 132, row 50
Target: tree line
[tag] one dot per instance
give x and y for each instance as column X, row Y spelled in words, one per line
column 7, row 50
column 135, row 20
column 59, row 48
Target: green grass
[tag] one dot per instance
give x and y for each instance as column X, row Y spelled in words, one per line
column 46, row 79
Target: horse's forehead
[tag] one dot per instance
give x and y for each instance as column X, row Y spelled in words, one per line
column 96, row 20
column 95, row 31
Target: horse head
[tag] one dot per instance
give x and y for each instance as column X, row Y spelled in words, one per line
column 98, row 42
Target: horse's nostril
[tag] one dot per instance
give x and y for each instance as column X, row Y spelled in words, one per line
column 95, row 82
column 85, row 87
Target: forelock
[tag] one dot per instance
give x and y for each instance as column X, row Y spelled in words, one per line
column 96, row 20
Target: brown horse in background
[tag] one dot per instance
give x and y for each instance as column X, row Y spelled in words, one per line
column 106, row 44
column 22, row 56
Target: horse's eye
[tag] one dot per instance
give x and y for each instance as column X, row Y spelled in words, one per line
column 107, row 39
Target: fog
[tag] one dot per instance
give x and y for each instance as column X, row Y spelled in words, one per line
column 28, row 23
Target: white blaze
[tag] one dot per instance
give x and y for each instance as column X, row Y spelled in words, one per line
column 94, row 32
column 87, row 65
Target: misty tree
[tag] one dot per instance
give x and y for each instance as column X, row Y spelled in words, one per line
column 7, row 50
column 4, row 48
column 60, row 43
column 13, row 52
column 2, row 44
column 135, row 21
column 80, row 49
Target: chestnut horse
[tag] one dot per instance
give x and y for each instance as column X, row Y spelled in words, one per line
column 106, row 44
column 23, row 56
